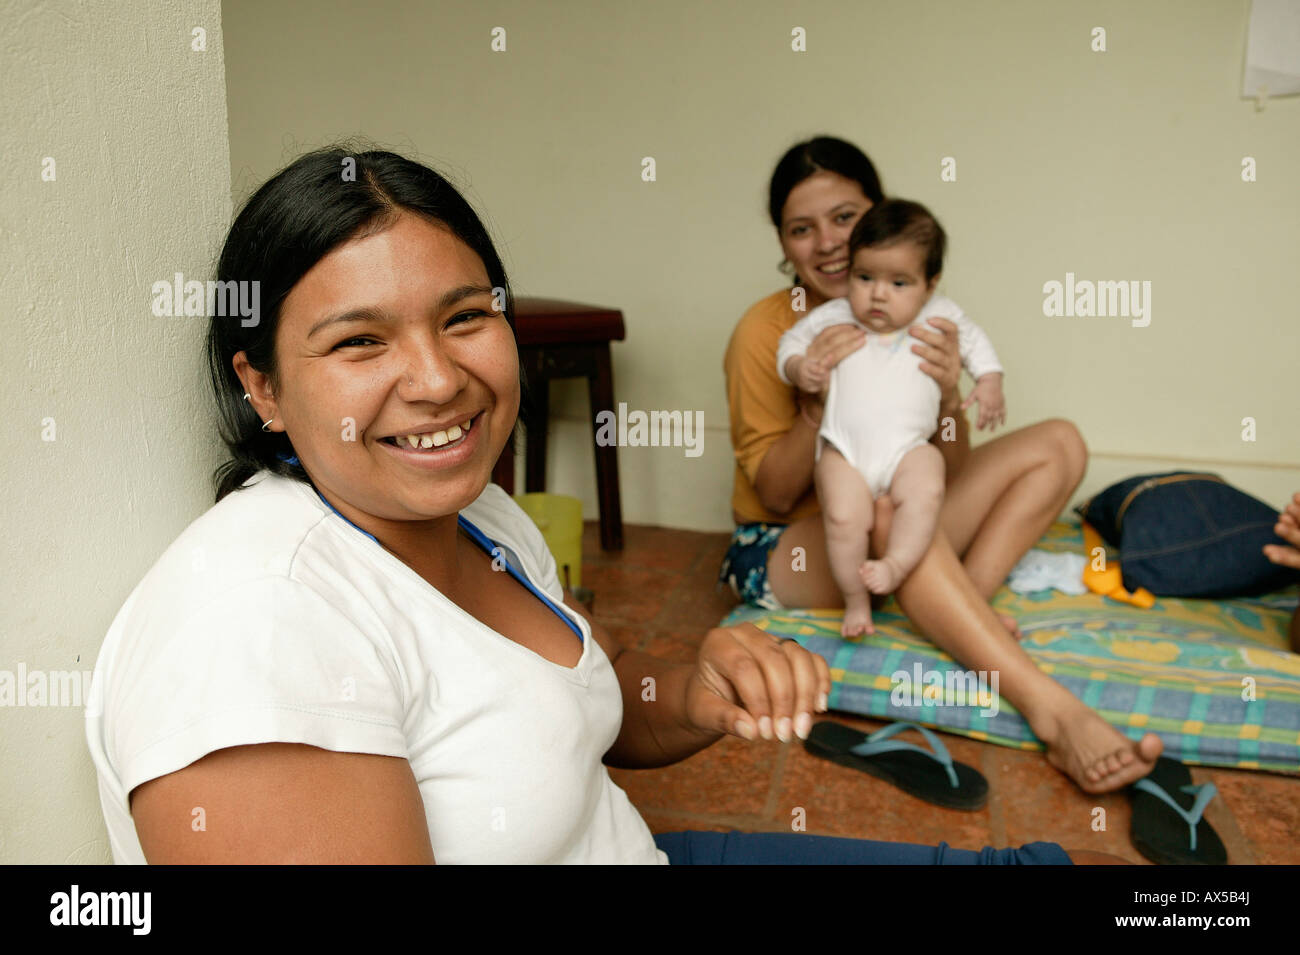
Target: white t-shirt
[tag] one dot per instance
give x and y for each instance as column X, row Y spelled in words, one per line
column 272, row 619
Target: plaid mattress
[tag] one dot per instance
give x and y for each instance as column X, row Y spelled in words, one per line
column 1213, row 679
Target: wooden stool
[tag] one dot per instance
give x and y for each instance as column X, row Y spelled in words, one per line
column 567, row 340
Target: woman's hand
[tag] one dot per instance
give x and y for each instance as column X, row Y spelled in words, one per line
column 810, row 375
column 940, row 359
column 832, row 344
column 813, row 372
column 749, row 683
column 1287, row 528
column 1288, row 555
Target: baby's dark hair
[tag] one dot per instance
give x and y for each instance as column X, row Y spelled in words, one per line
column 892, row 221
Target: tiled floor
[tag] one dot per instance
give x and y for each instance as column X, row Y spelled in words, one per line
column 658, row 595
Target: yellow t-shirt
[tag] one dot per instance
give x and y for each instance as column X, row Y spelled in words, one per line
column 762, row 406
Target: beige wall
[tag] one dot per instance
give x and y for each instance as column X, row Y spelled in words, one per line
column 107, row 439
column 1119, row 165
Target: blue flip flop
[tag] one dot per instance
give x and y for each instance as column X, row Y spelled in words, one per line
column 931, row 776
column 1167, row 827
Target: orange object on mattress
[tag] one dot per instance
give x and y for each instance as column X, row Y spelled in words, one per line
column 1108, row 581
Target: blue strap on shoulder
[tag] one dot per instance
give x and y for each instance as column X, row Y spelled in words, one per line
column 493, row 550
column 336, row 511
column 880, row 742
column 1204, row 793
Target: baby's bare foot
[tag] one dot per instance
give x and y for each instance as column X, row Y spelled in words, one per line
column 1013, row 628
column 881, row 576
column 857, row 616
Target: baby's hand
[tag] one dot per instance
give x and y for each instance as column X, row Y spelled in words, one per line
column 993, row 406
column 809, row 374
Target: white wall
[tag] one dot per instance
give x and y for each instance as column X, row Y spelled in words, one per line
column 135, row 121
column 1117, row 165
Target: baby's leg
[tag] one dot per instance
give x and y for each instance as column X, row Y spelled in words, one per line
column 847, row 510
column 917, row 492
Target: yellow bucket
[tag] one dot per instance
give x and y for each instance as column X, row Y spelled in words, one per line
column 559, row 518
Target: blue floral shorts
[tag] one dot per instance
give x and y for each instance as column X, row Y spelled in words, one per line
column 745, row 566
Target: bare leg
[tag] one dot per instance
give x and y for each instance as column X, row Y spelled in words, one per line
column 1007, row 494
column 847, row 508
column 943, row 603
column 917, row 493
column 995, row 508
column 814, row 585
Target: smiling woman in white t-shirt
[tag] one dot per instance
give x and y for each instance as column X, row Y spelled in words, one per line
column 361, row 653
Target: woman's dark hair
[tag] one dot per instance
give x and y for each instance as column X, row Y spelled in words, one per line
column 820, row 153
column 900, row 220
column 318, row 202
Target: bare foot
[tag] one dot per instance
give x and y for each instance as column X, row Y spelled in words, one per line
column 857, row 616
column 1098, row 757
column 1013, row 628
column 881, row 576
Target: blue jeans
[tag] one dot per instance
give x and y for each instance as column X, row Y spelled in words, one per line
column 1188, row 534
column 781, row 848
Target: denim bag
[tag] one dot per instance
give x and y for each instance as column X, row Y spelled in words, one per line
column 1189, row 534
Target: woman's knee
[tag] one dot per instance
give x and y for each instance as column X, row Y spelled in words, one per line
column 1069, row 450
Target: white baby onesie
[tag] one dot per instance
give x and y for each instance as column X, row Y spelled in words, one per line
column 880, row 403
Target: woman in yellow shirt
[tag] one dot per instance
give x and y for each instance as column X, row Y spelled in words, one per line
column 1000, row 497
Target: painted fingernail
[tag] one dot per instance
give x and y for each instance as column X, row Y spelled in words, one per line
column 783, row 729
column 765, row 727
column 823, row 704
column 744, row 729
column 803, row 725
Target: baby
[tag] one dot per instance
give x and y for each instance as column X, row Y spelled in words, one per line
column 881, row 409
